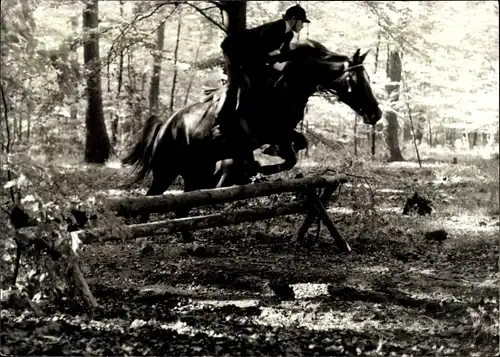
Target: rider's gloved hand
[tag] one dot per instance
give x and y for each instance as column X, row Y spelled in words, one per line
column 274, row 57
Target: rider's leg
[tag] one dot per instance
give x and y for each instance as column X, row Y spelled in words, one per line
column 226, row 114
column 234, row 136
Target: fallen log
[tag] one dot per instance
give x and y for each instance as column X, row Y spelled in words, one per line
column 125, row 206
column 190, row 223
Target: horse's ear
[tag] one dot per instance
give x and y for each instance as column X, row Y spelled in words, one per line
column 355, row 58
column 363, row 56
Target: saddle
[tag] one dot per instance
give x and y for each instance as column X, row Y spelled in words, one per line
column 251, row 88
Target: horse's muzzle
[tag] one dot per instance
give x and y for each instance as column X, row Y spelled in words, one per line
column 373, row 117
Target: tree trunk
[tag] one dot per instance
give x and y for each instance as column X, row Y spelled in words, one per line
column 406, row 131
column 75, row 67
column 176, row 52
column 356, row 134
column 474, row 138
column 429, row 129
column 191, row 78
column 394, row 72
column 20, row 129
column 373, row 137
column 14, row 127
column 116, row 117
column 377, row 50
column 30, row 105
column 234, row 15
column 131, row 97
column 154, row 89
column 97, row 145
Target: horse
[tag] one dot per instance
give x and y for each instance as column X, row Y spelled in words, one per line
column 185, row 144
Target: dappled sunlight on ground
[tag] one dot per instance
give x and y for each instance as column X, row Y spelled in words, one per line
column 390, row 209
column 381, row 269
column 468, row 227
column 445, row 154
column 388, row 190
column 360, row 320
column 114, row 164
column 241, row 303
column 397, row 290
column 340, row 210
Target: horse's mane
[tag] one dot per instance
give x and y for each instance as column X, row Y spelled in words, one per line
column 311, row 49
column 301, row 51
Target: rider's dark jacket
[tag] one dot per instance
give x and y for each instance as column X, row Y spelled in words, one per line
column 251, row 47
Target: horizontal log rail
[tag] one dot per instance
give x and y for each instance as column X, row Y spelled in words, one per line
column 168, row 202
column 124, row 232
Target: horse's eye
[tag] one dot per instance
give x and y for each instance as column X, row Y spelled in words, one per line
column 351, row 80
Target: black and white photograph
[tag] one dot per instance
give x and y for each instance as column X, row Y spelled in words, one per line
column 249, row 178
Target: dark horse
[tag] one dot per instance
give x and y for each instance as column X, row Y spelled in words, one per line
column 185, row 143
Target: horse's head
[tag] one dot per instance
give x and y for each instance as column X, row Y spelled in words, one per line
column 343, row 76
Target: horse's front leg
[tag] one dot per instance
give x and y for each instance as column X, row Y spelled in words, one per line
column 231, row 174
column 286, row 152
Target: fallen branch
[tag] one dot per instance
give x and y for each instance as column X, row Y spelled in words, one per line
column 348, row 175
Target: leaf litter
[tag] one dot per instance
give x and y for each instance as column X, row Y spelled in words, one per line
column 397, row 293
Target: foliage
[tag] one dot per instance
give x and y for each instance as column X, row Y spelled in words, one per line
column 400, row 294
column 44, row 195
column 450, row 61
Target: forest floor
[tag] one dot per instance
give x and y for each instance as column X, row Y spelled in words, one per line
column 397, row 293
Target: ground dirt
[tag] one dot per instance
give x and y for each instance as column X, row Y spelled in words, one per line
column 397, row 293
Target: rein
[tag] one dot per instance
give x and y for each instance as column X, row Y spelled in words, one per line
column 333, row 92
column 352, row 67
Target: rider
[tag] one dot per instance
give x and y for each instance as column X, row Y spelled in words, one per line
column 248, row 53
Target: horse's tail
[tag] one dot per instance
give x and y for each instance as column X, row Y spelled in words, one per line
column 141, row 156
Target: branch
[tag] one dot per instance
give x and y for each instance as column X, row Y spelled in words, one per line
column 207, row 17
column 216, row 3
column 209, row 8
column 136, row 19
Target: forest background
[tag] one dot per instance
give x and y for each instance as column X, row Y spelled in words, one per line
column 443, row 55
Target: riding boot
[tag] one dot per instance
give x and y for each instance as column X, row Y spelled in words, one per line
column 238, row 147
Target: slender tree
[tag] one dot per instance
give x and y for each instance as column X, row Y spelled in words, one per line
column 394, row 74
column 176, row 55
column 97, row 145
column 154, row 89
column 193, row 72
column 116, row 117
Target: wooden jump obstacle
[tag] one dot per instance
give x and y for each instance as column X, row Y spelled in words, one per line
column 314, row 205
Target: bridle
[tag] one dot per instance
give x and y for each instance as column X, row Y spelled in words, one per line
column 344, row 76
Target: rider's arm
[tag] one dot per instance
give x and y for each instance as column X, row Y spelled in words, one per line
column 284, row 50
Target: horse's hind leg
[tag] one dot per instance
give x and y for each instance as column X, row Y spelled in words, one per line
column 202, row 177
column 161, row 181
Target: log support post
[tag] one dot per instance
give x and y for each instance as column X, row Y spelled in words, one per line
column 317, row 209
